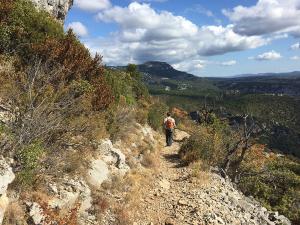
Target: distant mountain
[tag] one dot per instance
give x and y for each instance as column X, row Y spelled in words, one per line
column 289, row 75
column 265, row 83
column 161, row 70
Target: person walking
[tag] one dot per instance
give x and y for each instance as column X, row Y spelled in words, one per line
column 169, row 125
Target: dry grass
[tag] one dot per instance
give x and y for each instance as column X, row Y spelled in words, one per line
column 54, row 215
column 150, row 160
column 200, row 173
column 101, row 205
column 15, row 214
column 187, row 125
column 122, row 216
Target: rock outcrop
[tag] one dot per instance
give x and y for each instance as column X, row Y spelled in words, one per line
column 6, row 177
column 57, row 8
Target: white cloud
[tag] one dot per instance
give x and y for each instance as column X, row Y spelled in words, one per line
column 191, row 65
column 295, row 57
column 145, row 34
column 267, row 16
column 229, row 63
column 295, row 46
column 92, row 5
column 272, row 55
column 78, row 29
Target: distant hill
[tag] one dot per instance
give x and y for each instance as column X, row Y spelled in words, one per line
column 162, row 78
column 157, row 69
column 289, row 75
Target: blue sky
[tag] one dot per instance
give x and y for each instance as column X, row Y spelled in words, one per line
column 206, row 38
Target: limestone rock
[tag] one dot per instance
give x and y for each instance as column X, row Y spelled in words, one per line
column 36, row 213
column 6, row 177
column 4, row 201
column 98, row 173
column 113, row 157
column 69, row 192
column 57, row 8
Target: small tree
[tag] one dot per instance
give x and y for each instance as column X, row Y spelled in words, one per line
column 244, row 141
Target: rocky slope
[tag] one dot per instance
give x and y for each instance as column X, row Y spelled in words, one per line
column 181, row 195
column 119, row 189
column 135, row 180
column 57, row 8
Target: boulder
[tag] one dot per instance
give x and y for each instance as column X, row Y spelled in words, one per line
column 113, row 157
column 67, row 193
column 98, row 173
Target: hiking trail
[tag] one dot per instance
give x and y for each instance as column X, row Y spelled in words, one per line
column 175, row 197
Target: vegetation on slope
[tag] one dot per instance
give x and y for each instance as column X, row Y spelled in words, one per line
column 272, row 179
column 56, row 91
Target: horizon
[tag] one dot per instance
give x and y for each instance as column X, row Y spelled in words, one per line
column 207, row 39
column 230, row 76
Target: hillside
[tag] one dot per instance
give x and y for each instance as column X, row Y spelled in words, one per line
column 83, row 144
column 159, row 70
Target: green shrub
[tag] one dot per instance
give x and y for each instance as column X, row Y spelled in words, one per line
column 277, row 186
column 22, row 25
column 29, row 159
column 207, row 143
column 139, row 88
column 157, row 113
column 120, row 83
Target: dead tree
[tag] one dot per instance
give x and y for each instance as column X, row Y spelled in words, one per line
column 244, row 143
column 40, row 102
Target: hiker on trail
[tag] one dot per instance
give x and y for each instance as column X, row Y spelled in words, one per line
column 169, row 125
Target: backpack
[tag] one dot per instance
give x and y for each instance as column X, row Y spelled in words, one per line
column 169, row 124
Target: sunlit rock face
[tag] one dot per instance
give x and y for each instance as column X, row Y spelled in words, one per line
column 57, row 8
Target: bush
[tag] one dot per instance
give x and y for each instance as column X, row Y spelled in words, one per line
column 276, row 185
column 120, row 83
column 22, row 25
column 139, row 89
column 29, row 158
column 208, row 143
column 157, row 113
column 35, row 37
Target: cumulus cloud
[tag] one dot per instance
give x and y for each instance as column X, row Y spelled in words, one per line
column 272, row 55
column 145, row 34
column 267, row 16
column 295, row 46
column 191, row 65
column 92, row 5
column 78, row 29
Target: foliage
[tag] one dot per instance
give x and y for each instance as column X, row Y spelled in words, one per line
column 21, row 25
column 34, row 36
column 207, row 144
column 156, row 114
column 139, row 89
column 120, row 83
column 29, row 157
column 276, row 184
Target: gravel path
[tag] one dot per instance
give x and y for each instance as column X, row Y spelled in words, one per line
column 175, row 197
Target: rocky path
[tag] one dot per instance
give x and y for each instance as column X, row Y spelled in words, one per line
column 175, row 197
